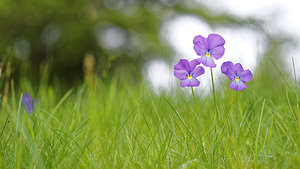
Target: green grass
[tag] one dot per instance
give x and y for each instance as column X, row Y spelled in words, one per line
column 125, row 125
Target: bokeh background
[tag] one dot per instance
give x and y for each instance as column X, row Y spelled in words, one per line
column 141, row 40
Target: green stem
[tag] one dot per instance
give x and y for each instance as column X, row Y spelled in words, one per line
column 231, row 104
column 199, row 119
column 214, row 95
column 241, row 107
column 195, row 100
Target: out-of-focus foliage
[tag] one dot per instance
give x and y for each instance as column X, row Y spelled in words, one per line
column 121, row 34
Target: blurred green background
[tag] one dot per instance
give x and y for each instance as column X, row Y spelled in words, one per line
column 66, row 42
column 120, row 35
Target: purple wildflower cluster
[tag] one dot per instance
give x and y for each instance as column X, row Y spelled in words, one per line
column 208, row 49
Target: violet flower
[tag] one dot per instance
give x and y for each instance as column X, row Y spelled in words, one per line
column 27, row 103
column 209, row 48
column 188, row 72
column 237, row 75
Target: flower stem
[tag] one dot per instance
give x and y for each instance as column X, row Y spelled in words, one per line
column 231, row 107
column 241, row 107
column 197, row 117
column 214, row 95
column 195, row 100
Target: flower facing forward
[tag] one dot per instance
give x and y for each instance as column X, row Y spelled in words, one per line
column 209, row 48
column 27, row 103
column 188, row 72
column 237, row 75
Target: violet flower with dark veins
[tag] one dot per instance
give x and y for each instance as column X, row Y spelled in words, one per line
column 209, row 48
column 237, row 75
column 188, row 72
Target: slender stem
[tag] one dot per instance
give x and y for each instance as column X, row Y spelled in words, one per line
column 214, row 95
column 241, row 107
column 195, row 100
column 231, row 105
column 199, row 119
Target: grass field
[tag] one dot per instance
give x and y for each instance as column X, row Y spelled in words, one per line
column 119, row 124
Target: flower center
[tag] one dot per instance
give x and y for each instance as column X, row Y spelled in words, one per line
column 237, row 79
column 189, row 76
column 208, row 54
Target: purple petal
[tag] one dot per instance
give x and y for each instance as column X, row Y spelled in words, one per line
column 193, row 64
column 183, row 64
column 180, row 74
column 200, row 40
column 217, row 52
column 26, row 98
column 226, row 65
column 238, row 85
column 208, row 62
column 246, row 76
column 238, row 68
column 215, row 40
column 29, row 108
column 230, row 73
column 200, row 50
column 200, row 45
column 193, row 82
column 198, row 71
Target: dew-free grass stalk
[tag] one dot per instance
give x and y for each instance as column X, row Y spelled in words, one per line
column 195, row 100
column 214, row 95
column 231, row 105
column 18, row 114
column 198, row 111
column 241, row 107
column 257, row 135
column 296, row 88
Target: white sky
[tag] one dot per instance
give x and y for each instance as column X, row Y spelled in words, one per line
column 242, row 45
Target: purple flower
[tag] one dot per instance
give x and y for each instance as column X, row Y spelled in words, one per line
column 27, row 103
column 209, row 48
column 237, row 75
column 188, row 72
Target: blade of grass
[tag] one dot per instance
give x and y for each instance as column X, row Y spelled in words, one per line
column 257, row 135
column 178, row 115
column 62, row 100
column 18, row 114
column 4, row 126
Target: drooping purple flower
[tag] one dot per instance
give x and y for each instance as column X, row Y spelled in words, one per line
column 209, row 48
column 188, row 72
column 237, row 75
column 27, row 103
